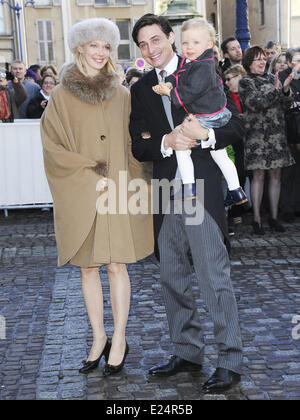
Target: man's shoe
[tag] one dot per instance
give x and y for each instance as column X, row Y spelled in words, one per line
column 174, row 365
column 235, row 197
column 221, row 380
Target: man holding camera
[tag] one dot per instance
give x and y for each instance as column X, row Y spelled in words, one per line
column 10, row 99
column 18, row 70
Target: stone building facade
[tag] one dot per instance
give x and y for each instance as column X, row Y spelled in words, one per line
column 276, row 20
column 45, row 25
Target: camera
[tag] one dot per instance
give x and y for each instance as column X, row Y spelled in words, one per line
column 9, row 75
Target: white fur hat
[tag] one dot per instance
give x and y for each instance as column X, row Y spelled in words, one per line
column 94, row 29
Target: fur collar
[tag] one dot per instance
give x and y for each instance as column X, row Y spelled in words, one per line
column 92, row 90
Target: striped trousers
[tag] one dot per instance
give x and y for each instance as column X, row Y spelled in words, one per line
column 212, row 269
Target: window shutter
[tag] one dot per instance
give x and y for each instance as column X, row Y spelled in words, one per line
column 45, row 42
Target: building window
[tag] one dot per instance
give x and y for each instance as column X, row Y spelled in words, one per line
column 2, row 23
column 115, row 2
column 45, row 42
column 261, row 12
column 101, row 2
column 124, row 52
column 43, row 3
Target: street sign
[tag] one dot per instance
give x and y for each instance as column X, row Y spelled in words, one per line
column 140, row 63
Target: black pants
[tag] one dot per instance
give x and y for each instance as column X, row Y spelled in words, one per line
column 290, row 185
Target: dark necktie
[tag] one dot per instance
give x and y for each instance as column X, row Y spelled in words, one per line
column 166, row 101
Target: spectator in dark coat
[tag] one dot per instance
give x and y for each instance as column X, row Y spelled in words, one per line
column 38, row 104
column 264, row 100
column 289, row 198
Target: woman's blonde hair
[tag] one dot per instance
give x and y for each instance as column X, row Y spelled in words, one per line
column 108, row 68
column 202, row 24
column 274, row 62
column 236, row 70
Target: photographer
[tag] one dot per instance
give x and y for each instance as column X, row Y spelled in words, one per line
column 38, row 104
column 10, row 99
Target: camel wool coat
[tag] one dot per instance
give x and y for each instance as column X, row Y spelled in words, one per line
column 85, row 137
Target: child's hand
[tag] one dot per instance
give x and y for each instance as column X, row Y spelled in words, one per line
column 163, row 88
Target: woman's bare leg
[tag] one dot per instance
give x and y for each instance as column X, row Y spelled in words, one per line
column 120, row 303
column 92, row 294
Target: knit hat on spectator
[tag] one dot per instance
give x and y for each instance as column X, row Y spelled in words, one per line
column 30, row 73
column 92, row 30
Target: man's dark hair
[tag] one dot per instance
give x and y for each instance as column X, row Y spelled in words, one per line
column 291, row 52
column 250, row 55
column 271, row 44
column 151, row 19
column 35, row 67
column 225, row 42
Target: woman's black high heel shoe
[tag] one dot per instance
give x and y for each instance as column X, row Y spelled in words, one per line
column 275, row 225
column 91, row 365
column 257, row 229
column 111, row 369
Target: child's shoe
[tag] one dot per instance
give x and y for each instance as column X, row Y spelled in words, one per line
column 187, row 192
column 235, row 197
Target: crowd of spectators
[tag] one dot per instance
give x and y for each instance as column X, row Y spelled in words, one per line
column 27, row 90
column 264, row 83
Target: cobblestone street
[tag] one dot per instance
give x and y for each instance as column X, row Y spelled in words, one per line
column 47, row 333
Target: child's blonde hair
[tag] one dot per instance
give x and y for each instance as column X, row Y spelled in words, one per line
column 202, row 24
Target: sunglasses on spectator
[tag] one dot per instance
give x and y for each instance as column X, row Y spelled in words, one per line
column 227, row 79
column 49, row 83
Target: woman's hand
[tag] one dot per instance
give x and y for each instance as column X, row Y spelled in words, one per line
column 192, row 128
column 277, row 84
column 44, row 103
column 287, row 82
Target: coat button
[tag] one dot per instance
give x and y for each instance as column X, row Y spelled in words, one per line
column 102, row 138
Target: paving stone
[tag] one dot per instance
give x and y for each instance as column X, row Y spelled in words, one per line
column 48, row 334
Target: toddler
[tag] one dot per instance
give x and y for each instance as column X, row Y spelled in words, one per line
column 198, row 89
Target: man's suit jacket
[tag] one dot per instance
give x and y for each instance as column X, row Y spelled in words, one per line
column 148, row 114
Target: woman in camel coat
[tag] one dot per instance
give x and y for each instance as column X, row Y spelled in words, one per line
column 88, row 157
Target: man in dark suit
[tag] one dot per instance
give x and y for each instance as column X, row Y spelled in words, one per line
column 207, row 241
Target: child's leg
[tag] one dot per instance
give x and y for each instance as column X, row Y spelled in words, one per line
column 227, row 167
column 185, row 166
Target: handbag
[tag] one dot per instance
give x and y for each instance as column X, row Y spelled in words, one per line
column 4, row 107
column 292, row 120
